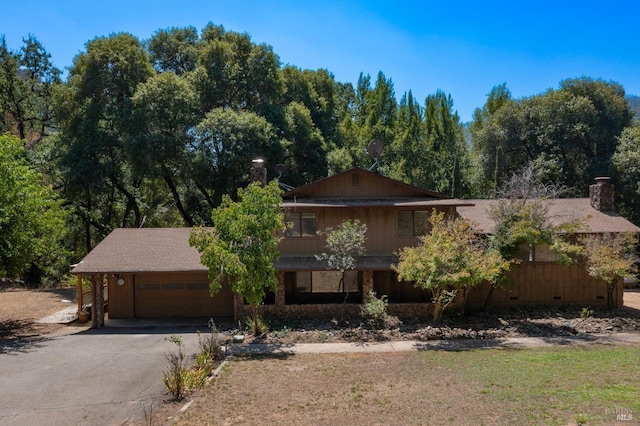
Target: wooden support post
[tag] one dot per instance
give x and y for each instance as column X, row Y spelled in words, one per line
column 79, row 297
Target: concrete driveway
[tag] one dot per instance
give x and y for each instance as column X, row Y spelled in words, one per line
column 94, row 377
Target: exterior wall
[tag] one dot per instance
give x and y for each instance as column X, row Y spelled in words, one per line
column 121, row 302
column 532, row 283
column 165, row 294
column 357, row 184
column 382, row 230
column 547, row 283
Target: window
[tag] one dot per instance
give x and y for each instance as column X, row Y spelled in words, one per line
column 540, row 253
column 413, row 223
column 303, row 287
column 325, row 281
column 301, row 224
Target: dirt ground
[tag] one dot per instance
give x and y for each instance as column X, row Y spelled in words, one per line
column 20, row 309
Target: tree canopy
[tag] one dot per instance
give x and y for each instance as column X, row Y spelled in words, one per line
column 451, row 258
column 243, row 242
column 155, row 132
column 32, row 221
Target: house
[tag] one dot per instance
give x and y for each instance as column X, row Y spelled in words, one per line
column 155, row 273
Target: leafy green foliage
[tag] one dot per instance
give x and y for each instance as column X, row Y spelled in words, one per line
column 344, row 244
column 451, row 258
column 374, row 310
column 571, row 130
column 32, row 220
column 521, row 215
column 243, row 243
column 179, row 377
column 609, row 258
column 626, row 162
column 27, row 81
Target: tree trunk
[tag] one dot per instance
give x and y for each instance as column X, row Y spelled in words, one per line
column 487, row 301
column 176, row 197
column 612, row 301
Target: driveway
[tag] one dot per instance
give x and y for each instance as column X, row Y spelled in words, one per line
column 93, row 377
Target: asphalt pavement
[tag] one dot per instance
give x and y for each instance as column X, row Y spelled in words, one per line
column 95, row 377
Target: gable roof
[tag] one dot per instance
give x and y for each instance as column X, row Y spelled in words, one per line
column 362, row 188
column 561, row 210
column 142, row 250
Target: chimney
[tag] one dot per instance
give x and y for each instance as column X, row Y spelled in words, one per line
column 258, row 173
column 601, row 194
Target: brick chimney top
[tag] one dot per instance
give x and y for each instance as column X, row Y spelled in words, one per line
column 601, row 194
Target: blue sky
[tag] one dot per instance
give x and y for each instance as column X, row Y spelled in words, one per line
column 463, row 48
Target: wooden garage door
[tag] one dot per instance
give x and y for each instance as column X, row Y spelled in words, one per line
column 180, row 299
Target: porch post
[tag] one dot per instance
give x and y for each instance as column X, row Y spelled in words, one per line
column 367, row 284
column 280, row 289
column 79, row 296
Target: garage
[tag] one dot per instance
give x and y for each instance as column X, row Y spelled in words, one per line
column 179, row 295
column 155, row 273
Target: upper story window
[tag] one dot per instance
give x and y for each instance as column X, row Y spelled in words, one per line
column 540, row 253
column 412, row 223
column 301, row 224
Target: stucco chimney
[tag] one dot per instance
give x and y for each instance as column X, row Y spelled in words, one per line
column 258, row 173
column 601, row 194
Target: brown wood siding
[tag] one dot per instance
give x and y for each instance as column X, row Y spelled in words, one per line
column 179, row 295
column 121, row 297
column 382, row 230
column 365, row 186
column 547, row 283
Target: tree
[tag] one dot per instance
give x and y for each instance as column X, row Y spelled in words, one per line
column 27, row 80
column 243, row 243
column 452, row 257
column 174, row 50
column 609, row 258
column 304, row 146
column 344, row 244
column 32, row 221
column 95, row 116
column 236, row 73
column 571, row 130
column 164, row 114
column 521, row 216
column 626, row 162
column 224, row 144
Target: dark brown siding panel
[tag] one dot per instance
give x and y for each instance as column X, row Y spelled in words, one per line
column 162, row 295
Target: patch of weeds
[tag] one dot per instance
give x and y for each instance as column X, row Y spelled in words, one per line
column 257, row 326
column 211, row 343
column 586, row 313
column 283, row 332
column 322, row 337
column 179, row 378
column 581, row 419
column 175, row 375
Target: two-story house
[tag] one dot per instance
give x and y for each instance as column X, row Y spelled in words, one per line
column 155, row 273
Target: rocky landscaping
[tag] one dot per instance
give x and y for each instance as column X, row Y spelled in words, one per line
column 529, row 321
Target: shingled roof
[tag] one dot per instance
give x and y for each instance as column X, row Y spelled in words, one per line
column 142, row 250
column 561, row 210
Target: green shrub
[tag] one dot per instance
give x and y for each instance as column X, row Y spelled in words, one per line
column 256, row 327
column 374, row 310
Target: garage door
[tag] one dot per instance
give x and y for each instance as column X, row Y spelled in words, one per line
column 181, row 299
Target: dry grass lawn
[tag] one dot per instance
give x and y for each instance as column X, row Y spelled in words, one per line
column 490, row 387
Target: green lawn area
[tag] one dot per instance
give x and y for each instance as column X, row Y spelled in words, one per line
column 560, row 386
